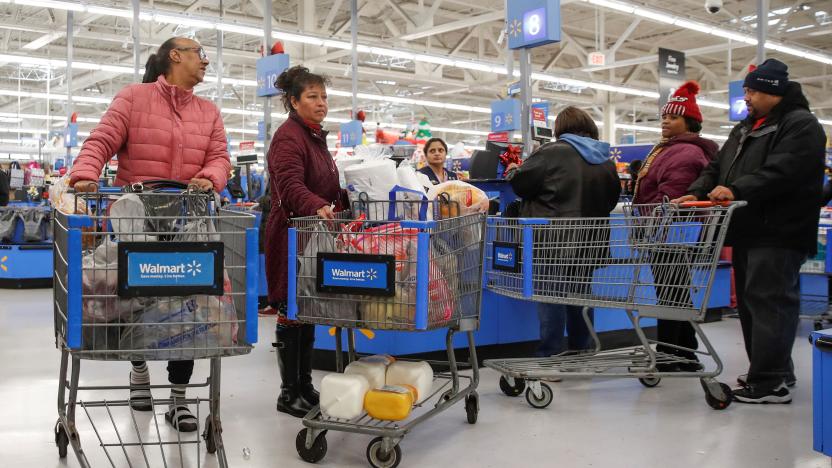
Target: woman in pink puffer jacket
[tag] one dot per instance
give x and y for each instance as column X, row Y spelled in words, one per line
column 160, row 130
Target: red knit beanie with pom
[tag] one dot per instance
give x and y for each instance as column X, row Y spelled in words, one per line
column 683, row 102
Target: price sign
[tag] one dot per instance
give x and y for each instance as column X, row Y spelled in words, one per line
column 532, row 23
column 268, row 69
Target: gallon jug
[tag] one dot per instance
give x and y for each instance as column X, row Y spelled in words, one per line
column 342, row 395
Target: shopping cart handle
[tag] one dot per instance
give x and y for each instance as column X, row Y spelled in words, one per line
column 704, row 204
column 824, row 342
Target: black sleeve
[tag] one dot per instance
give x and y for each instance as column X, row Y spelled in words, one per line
column 793, row 161
column 4, row 188
column 709, row 176
column 527, row 180
column 827, row 194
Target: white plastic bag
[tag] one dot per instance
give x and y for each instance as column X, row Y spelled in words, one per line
column 375, row 178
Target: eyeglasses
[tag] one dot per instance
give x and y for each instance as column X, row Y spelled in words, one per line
column 199, row 50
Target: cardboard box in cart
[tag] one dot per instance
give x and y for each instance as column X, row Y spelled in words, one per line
column 822, row 390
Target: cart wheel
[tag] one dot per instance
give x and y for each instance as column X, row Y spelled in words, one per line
column 318, row 450
column 208, row 435
column 61, row 440
column 717, row 403
column 472, row 407
column 544, row 400
column 650, row 382
column 374, row 456
column 516, row 390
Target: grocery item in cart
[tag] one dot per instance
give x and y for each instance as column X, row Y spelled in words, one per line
column 207, row 323
column 464, row 197
column 385, row 359
column 324, row 305
column 419, row 375
column 342, row 395
column 374, row 372
column 391, row 402
column 375, row 178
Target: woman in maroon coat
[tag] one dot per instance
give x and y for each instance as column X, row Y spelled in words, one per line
column 303, row 182
column 667, row 172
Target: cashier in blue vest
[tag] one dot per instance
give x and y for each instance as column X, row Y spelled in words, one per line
column 436, row 152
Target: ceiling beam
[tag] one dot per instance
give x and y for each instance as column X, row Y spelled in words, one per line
column 398, row 9
column 455, row 25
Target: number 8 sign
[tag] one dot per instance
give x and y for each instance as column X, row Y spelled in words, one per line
column 532, row 23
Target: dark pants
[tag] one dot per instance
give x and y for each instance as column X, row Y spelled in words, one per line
column 179, row 372
column 553, row 319
column 768, row 300
column 672, row 278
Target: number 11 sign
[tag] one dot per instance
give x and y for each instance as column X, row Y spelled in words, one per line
column 532, row 23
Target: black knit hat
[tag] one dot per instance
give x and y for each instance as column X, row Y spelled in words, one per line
column 771, row 77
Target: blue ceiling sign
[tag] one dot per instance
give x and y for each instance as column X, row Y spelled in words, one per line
column 532, row 23
column 505, row 115
column 736, row 100
column 268, row 69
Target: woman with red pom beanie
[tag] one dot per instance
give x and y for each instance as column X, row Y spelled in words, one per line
column 666, row 173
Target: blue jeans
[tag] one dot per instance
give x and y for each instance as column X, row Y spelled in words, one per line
column 553, row 319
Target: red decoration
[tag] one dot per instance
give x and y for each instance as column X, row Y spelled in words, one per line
column 277, row 48
column 510, row 156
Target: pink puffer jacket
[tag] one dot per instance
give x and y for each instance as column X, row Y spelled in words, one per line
column 159, row 131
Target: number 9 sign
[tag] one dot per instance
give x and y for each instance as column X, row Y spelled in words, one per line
column 498, row 121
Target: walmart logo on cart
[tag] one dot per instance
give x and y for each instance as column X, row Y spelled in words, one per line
column 194, row 268
column 343, row 274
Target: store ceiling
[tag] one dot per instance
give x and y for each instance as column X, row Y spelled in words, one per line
column 459, row 30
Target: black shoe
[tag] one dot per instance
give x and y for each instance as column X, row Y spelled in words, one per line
column 693, row 366
column 791, row 381
column 290, row 400
column 757, row 395
column 667, row 367
column 306, row 349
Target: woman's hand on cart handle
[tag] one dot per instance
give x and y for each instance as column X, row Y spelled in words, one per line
column 85, row 186
column 326, row 212
column 684, row 199
column 203, row 185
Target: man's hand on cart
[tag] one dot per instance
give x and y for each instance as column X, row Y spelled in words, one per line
column 85, row 186
column 684, row 199
column 203, row 185
column 721, row 193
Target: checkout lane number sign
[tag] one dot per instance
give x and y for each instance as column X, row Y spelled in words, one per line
column 161, row 269
column 356, row 274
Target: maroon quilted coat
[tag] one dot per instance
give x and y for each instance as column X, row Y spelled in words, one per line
column 675, row 168
column 302, row 179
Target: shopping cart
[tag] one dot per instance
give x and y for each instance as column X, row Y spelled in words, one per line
column 652, row 261
column 410, row 276
column 149, row 276
column 815, row 303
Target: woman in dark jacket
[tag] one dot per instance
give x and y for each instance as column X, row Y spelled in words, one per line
column 670, row 168
column 436, row 153
column 571, row 178
column 303, row 181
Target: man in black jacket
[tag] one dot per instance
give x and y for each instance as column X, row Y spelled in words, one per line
column 4, row 188
column 774, row 161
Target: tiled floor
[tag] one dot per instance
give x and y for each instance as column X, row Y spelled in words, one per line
column 592, row 423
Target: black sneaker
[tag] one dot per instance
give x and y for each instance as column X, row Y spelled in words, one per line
column 743, row 380
column 750, row 394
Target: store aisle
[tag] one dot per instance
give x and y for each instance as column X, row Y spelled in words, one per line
column 590, row 424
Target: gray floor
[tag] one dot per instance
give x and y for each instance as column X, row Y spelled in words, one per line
column 594, row 423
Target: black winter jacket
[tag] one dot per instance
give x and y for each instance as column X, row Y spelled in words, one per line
column 556, row 182
column 778, row 170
